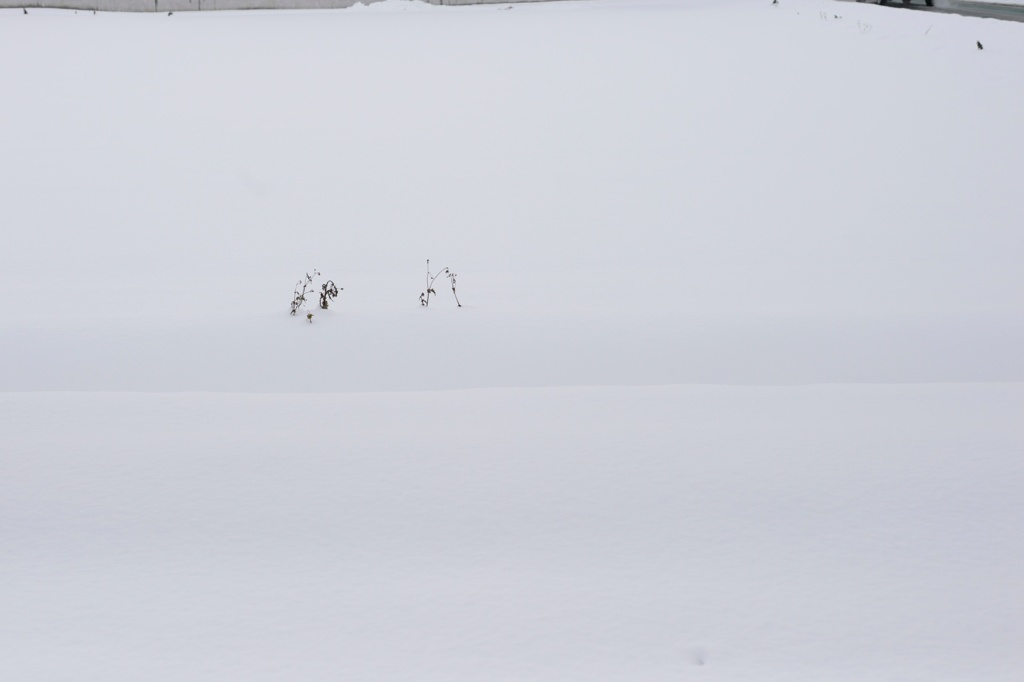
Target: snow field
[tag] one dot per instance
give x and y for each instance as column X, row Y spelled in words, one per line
column 736, row 392
column 723, row 533
column 686, row 187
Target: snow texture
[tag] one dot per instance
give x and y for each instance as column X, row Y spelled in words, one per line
column 735, row 393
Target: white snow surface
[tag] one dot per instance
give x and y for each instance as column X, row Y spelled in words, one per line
column 621, row 533
column 736, row 391
column 642, row 192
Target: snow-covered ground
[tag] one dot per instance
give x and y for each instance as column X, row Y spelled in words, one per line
column 736, row 391
column 658, row 533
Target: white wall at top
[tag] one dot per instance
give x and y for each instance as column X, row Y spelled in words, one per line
column 179, row 5
column 186, row 5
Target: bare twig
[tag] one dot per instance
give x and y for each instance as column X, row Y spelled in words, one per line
column 425, row 296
